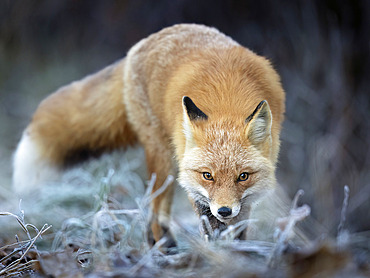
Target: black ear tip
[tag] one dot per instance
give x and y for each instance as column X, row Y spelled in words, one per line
column 193, row 111
column 186, row 100
column 258, row 108
column 261, row 104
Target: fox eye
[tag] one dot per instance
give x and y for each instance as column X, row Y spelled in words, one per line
column 243, row 176
column 207, row 176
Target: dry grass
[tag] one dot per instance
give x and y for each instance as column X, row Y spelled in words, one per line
column 19, row 257
column 109, row 239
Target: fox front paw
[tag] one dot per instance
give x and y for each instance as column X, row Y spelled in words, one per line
column 158, row 231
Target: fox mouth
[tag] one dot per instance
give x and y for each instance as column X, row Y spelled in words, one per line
column 204, row 206
column 225, row 220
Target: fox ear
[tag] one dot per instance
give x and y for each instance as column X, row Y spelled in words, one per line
column 193, row 112
column 259, row 123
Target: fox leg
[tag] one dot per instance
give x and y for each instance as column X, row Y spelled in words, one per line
column 159, row 161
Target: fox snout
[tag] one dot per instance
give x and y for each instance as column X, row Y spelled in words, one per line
column 225, row 213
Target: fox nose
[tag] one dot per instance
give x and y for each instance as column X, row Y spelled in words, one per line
column 224, row 211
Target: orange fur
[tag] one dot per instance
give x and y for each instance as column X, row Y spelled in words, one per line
column 87, row 115
column 140, row 99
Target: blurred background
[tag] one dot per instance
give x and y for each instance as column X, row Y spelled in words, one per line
column 320, row 48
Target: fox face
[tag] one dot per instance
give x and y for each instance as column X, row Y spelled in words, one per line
column 227, row 162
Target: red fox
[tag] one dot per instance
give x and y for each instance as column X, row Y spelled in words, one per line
column 198, row 102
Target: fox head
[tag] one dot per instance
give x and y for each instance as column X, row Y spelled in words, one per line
column 227, row 163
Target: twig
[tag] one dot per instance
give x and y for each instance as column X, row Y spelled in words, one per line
column 11, row 267
column 160, row 190
column 344, row 210
column 236, row 228
column 13, row 244
column 343, row 235
column 206, row 228
column 286, row 225
column 146, row 258
column 19, row 220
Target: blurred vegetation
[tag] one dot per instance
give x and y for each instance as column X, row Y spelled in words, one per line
column 320, row 48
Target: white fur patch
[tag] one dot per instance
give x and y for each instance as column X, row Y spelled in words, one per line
column 30, row 170
column 187, row 127
column 259, row 130
column 197, row 192
column 260, row 126
column 202, row 191
column 188, row 132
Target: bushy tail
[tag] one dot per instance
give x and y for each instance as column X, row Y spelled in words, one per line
column 82, row 119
